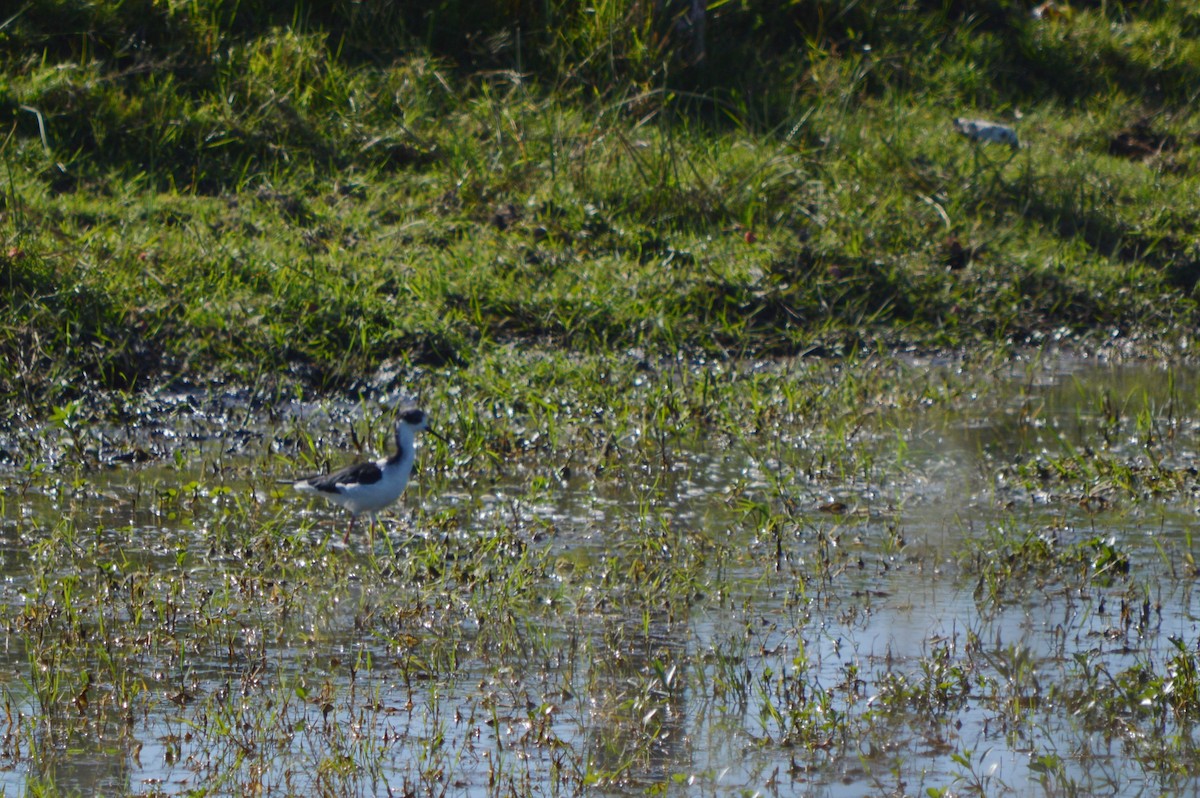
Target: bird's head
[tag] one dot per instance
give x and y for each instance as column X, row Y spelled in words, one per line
column 415, row 420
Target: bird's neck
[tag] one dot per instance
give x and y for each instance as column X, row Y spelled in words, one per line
column 404, row 446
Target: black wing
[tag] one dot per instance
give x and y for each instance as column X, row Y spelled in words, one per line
column 358, row 474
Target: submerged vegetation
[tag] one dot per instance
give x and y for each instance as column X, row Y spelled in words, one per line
column 728, row 579
column 767, row 469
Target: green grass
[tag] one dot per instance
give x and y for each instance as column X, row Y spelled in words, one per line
column 280, row 194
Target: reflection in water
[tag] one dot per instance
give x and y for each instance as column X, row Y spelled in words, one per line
column 358, row 684
column 639, row 704
column 97, row 762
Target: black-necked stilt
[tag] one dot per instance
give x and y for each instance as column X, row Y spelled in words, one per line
column 987, row 132
column 370, row 486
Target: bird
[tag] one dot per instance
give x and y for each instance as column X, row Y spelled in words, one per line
column 371, row 485
column 987, row 132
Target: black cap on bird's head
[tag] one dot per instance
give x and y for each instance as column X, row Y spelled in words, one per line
column 414, row 418
column 418, row 420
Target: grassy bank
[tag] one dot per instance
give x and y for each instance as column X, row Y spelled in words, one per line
column 193, row 190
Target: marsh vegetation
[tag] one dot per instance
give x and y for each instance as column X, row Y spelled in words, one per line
column 869, row 576
column 797, row 444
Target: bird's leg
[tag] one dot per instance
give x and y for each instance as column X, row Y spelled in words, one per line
column 349, row 527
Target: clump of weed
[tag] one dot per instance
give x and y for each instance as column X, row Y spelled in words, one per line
column 1004, row 562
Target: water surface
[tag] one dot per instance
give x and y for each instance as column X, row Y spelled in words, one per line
column 531, row 634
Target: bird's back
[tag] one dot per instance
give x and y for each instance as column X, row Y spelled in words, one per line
column 362, row 487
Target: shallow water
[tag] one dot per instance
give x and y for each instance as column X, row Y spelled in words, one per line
column 376, row 670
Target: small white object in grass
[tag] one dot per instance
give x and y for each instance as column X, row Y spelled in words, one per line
column 987, row 132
